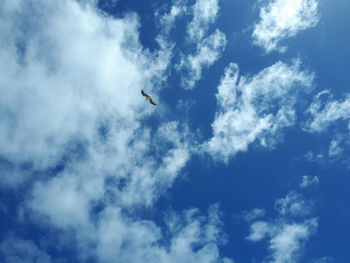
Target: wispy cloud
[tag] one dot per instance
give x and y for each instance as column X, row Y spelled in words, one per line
column 72, row 112
column 281, row 19
column 204, row 14
column 308, row 180
column 208, row 51
column 253, row 214
column 293, row 204
column 330, row 117
column 208, row 48
column 167, row 20
column 255, row 108
column 324, row 111
column 335, row 146
column 286, row 244
column 286, row 237
column 18, row 250
column 141, row 241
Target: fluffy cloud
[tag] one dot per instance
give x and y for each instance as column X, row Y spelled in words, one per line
column 75, row 126
column 187, row 232
column 258, row 231
column 280, row 19
column 255, row 108
column 60, row 86
column 287, row 242
column 286, row 237
column 190, row 237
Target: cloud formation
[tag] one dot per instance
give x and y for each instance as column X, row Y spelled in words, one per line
column 253, row 214
column 293, row 205
column 208, row 48
column 286, row 236
column 324, row 111
column 255, row 108
column 61, row 83
column 167, row 20
column 330, row 117
column 208, row 51
column 204, row 14
column 281, row 19
column 75, row 125
column 308, row 180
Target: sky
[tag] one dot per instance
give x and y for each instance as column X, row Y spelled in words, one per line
column 245, row 159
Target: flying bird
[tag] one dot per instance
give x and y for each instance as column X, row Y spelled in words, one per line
column 148, row 97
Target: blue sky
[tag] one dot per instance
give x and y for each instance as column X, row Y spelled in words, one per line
column 245, row 159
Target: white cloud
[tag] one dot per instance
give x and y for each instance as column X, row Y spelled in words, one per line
column 168, row 20
column 323, row 112
column 314, row 157
column 190, row 238
column 71, row 89
column 334, row 153
column 286, row 240
column 255, row 108
column 334, row 147
column 253, row 214
column 60, row 82
column 287, row 243
column 208, row 51
column 204, row 14
column 208, row 48
column 328, row 114
column 280, row 19
column 293, row 205
column 286, row 237
column 308, row 180
column 259, row 230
